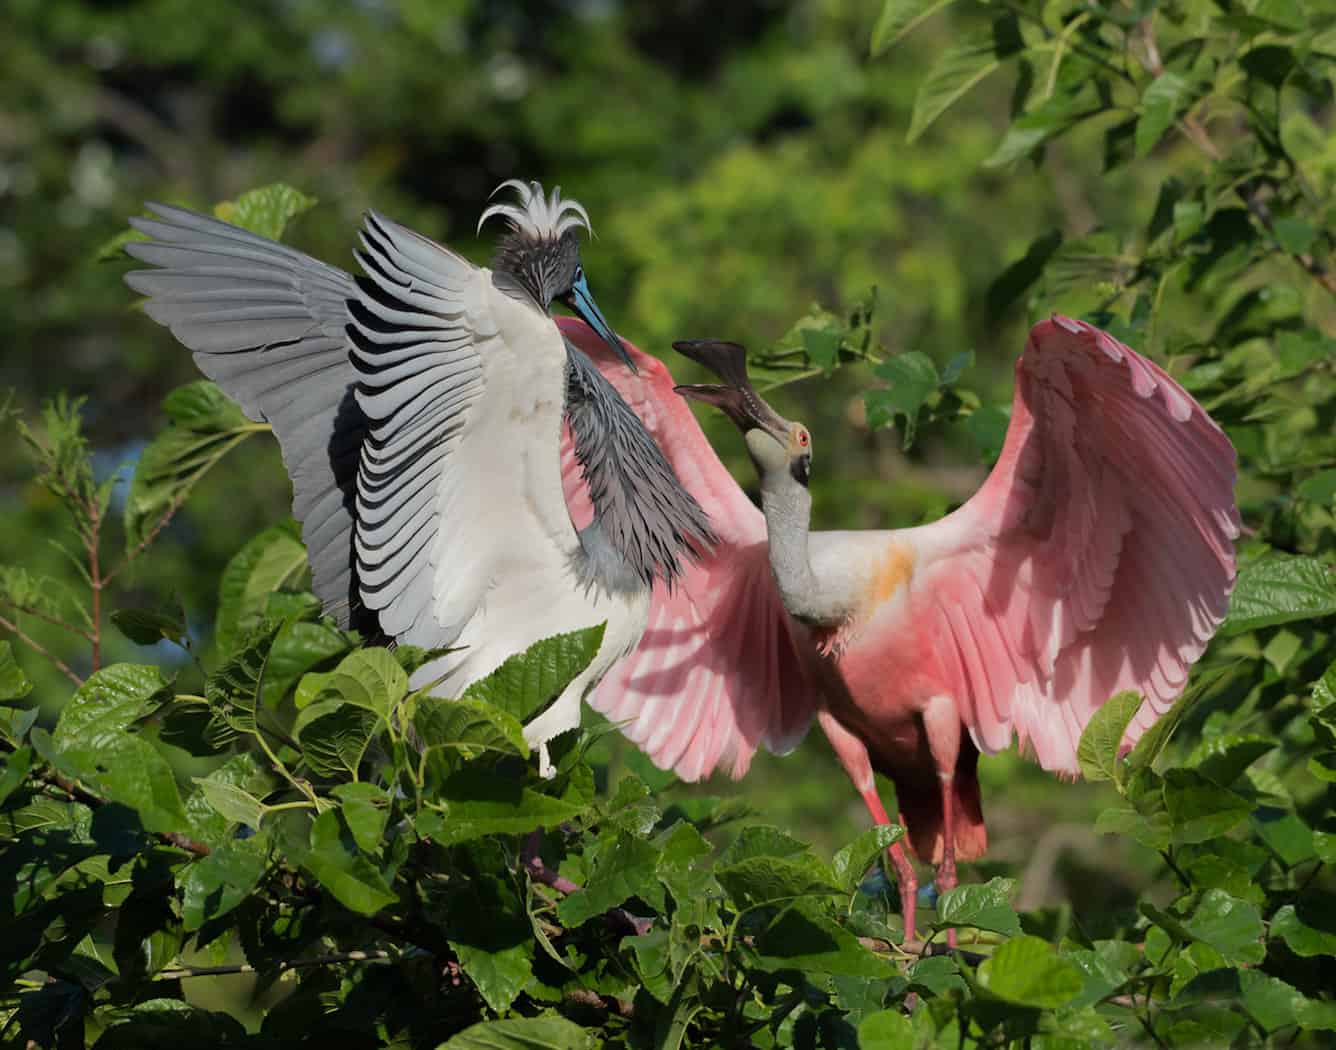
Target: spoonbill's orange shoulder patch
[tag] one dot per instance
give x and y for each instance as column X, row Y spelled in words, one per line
column 892, row 572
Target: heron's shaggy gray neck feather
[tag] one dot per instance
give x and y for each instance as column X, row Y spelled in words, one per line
column 645, row 522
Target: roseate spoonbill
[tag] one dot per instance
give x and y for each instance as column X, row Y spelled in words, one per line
column 1096, row 557
column 419, row 409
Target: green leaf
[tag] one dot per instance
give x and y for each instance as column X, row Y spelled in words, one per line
column 1017, row 278
column 144, row 627
column 273, row 559
column 334, row 737
column 1294, row 235
column 476, row 802
column 804, row 939
column 1269, row 1001
column 203, row 427
column 886, row 1030
column 988, row 428
column 763, row 840
column 370, row 679
column 522, row 1033
column 1314, row 1014
column 772, row 880
column 266, row 210
column 15, row 771
column 14, row 684
column 298, row 647
column 1165, row 97
column 1320, row 488
column 1308, row 927
column 1280, row 588
column 127, row 769
column 366, row 808
column 986, row 907
column 899, row 17
column 853, row 860
column 1199, row 809
column 111, row 699
column 624, row 868
column 348, row 874
column 1028, row 971
column 961, row 67
column 527, row 681
column 1285, row 834
column 1102, row 737
column 468, row 725
column 235, row 804
column 1231, row 926
column 233, row 690
column 216, row 884
column 1154, row 740
column 822, row 346
column 913, row 378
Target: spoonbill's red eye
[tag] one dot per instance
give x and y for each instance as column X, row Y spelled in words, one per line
column 802, row 438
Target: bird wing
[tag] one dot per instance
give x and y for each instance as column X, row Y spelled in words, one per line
column 1096, row 557
column 721, row 668
column 266, row 323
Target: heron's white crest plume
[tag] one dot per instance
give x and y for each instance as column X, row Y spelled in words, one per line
column 535, row 216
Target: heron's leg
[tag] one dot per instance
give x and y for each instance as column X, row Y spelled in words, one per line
column 942, row 723
column 853, row 756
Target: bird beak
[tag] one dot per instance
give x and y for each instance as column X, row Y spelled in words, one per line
column 736, row 396
column 582, row 302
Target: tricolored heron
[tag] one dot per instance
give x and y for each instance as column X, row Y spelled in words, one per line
column 419, row 409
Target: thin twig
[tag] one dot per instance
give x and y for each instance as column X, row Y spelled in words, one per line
column 369, row 955
column 31, row 643
column 54, row 621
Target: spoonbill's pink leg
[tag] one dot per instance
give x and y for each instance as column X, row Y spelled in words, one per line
column 942, row 722
column 853, row 757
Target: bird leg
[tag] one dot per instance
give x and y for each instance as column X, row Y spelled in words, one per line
column 942, row 723
column 854, row 758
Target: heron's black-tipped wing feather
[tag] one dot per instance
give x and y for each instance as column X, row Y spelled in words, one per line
column 266, row 323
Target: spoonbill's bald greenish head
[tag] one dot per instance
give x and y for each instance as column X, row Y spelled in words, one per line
column 542, row 252
column 774, row 442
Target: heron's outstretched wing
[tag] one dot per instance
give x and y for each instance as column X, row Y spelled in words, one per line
column 266, row 323
column 721, row 668
column 1097, row 556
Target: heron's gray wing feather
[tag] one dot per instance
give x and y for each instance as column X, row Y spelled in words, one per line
column 640, row 506
column 416, row 324
column 266, row 323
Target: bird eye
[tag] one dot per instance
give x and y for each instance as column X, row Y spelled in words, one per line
column 579, row 273
column 802, row 438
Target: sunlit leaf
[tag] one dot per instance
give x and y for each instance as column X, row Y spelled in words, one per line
column 1028, row 971
column 960, row 67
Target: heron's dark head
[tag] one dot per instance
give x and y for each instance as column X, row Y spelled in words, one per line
column 774, row 442
column 541, row 251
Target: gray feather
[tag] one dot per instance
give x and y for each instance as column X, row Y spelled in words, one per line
column 266, row 323
column 641, row 510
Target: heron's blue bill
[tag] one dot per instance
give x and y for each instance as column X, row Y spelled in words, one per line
column 582, row 302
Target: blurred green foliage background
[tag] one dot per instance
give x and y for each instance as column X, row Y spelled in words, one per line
column 741, row 161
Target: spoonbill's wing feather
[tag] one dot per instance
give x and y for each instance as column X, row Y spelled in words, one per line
column 421, row 324
column 266, row 323
column 1097, row 556
column 721, row 668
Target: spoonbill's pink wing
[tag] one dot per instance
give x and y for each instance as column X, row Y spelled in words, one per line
column 722, row 668
column 1096, row 557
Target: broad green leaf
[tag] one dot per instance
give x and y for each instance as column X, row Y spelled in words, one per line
column 490, row 929
column 1050, row 118
column 770, row 880
column 214, row 885
column 986, row 907
column 1320, row 488
column 476, row 802
column 298, row 647
column 886, row 1030
column 112, row 699
column 804, row 939
column 266, row 210
column 1315, row 1014
column 913, row 379
column 526, row 682
column 1280, row 588
column 343, row 870
column 853, row 860
column 127, row 769
column 1103, row 737
column 273, row 559
column 1294, row 235
column 624, row 868
column 1269, row 1001
column 15, row 769
column 763, row 840
column 1286, row 834
column 682, row 847
column 823, row 347
column 1308, row 927
column 203, row 426
column 233, row 690
column 366, row 808
column 335, row 739
column 235, row 804
column 1231, row 926
column 899, row 17
column 146, row 627
column 370, row 679
column 14, row 684
column 1154, row 740
column 1224, row 758
column 522, row 1033
column 960, row 67
column 1018, row 278
column 1165, row 97
column 1199, row 809
column 468, row 725
column 1029, row 972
